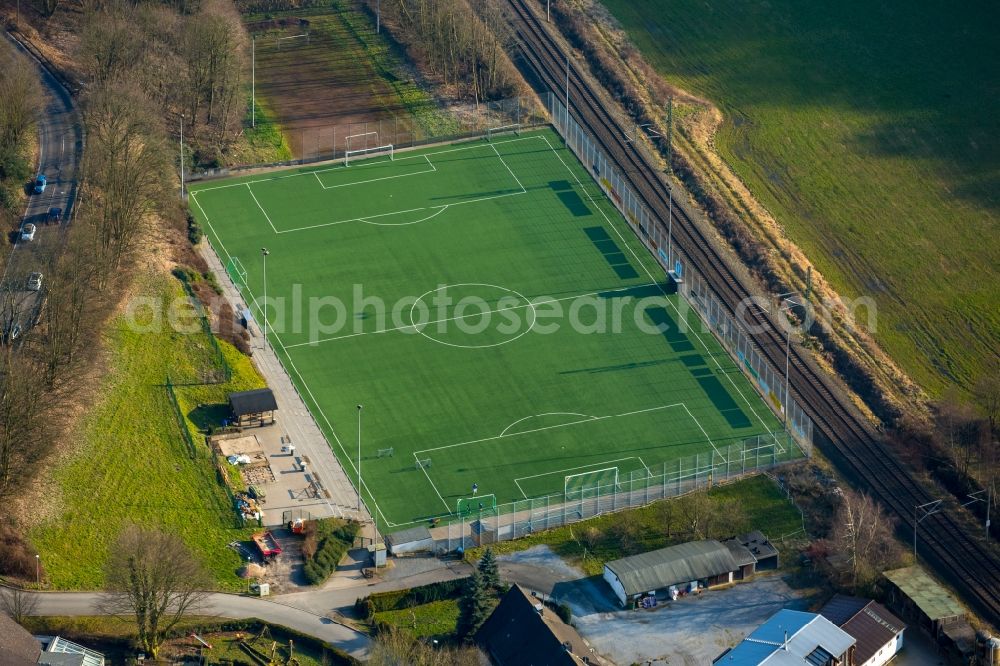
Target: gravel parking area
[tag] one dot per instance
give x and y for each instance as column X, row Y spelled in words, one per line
column 691, row 630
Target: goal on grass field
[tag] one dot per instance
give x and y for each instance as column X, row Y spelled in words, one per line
column 595, row 481
column 514, row 129
column 367, row 152
column 473, row 506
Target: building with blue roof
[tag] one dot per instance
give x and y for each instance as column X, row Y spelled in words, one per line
column 793, row 638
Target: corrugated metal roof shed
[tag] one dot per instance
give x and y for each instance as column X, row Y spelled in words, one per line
column 842, row 608
column 683, row 563
column 740, row 553
column 420, row 533
column 932, row 599
column 873, row 627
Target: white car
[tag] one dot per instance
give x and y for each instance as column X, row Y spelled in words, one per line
column 35, row 282
column 28, row 231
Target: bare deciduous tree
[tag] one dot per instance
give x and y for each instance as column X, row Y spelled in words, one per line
column 18, row 603
column 862, row 533
column 153, row 578
column 124, row 165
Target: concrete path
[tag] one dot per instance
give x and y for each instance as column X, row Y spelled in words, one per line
column 295, row 420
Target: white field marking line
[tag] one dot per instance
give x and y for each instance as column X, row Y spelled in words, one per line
column 500, row 157
column 436, row 491
column 530, row 304
column 560, row 471
column 614, row 227
column 442, row 207
column 698, row 423
column 551, row 427
column 329, row 425
column 373, row 180
column 266, row 216
column 253, row 299
column 362, row 164
column 585, row 416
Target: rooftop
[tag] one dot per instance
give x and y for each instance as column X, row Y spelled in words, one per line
column 17, row 646
column 419, row 533
column 790, row 638
column 932, row 599
column 252, row 402
column 519, row 633
column 683, row 563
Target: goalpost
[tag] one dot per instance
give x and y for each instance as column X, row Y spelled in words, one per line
column 597, row 481
column 362, row 135
column 477, row 505
column 361, row 153
column 513, row 128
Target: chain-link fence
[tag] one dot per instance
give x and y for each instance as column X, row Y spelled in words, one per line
column 634, row 489
column 654, row 233
column 456, row 122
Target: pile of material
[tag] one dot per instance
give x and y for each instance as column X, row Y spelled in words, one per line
column 247, row 507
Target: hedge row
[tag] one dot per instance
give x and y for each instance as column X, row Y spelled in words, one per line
column 333, row 544
column 397, row 599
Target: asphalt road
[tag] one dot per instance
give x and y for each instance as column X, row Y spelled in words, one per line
column 60, row 150
column 227, row 605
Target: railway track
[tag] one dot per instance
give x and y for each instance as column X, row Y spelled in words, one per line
column 956, row 555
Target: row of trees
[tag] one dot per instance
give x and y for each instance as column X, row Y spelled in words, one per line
column 185, row 61
column 464, row 42
column 20, row 102
column 144, row 64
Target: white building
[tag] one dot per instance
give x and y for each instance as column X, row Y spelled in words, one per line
column 879, row 633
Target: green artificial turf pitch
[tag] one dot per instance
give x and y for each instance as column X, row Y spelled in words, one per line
column 496, row 386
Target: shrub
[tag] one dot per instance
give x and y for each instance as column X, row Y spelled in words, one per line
column 17, row 557
column 194, row 230
column 416, row 596
column 333, row 538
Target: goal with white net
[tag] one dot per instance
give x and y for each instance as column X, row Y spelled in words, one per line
column 362, row 153
column 596, row 481
column 492, row 132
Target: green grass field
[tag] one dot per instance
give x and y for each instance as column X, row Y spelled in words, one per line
column 490, row 310
column 133, row 465
column 870, row 131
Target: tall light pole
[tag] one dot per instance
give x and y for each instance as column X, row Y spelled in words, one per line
column 567, row 89
column 786, row 307
column 359, row 460
column 928, row 509
column 263, row 311
column 182, row 157
column 378, row 17
column 38, row 574
column 670, row 228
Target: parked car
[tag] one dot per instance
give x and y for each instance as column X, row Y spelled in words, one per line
column 55, row 214
column 27, row 231
column 40, row 183
column 11, row 332
column 35, row 282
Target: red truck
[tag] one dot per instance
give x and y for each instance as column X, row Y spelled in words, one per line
column 267, row 545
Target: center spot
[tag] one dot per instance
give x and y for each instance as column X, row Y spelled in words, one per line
column 472, row 315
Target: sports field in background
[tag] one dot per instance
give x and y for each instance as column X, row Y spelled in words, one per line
column 427, row 288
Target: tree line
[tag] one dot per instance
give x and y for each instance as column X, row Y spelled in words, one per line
column 463, row 42
column 143, row 65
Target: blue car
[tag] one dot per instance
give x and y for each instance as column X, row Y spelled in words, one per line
column 40, row 183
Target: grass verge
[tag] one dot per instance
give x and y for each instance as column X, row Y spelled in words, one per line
column 436, row 619
column 754, row 503
column 132, row 464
